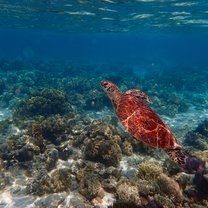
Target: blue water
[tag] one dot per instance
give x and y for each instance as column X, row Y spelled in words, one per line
column 105, row 30
column 53, row 55
column 188, row 49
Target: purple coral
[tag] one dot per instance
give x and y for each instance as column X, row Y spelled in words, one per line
column 201, row 183
column 194, row 164
column 152, row 204
column 197, row 166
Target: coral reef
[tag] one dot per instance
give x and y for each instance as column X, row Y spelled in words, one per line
column 198, row 139
column 169, row 104
column 171, row 167
column 89, row 182
column 152, row 180
column 127, row 148
column 119, row 204
column 128, row 193
column 101, row 145
column 52, row 157
column 152, row 204
column 58, row 157
column 194, row 164
column 201, row 183
column 50, row 129
column 18, row 148
column 147, row 188
column 203, row 155
column 163, row 201
column 45, row 103
column 149, row 171
column 170, row 187
column 59, row 180
column 4, row 126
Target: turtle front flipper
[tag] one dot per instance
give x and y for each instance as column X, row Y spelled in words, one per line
column 139, row 94
column 177, row 155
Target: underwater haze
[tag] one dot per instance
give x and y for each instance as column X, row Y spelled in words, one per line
column 62, row 144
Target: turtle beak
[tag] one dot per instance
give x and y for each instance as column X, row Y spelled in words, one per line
column 101, row 83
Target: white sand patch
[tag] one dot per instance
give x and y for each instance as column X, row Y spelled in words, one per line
column 128, row 165
column 6, row 200
column 68, row 200
column 65, row 164
column 107, row 201
column 185, row 122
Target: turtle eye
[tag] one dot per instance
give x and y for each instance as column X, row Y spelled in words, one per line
column 110, row 89
column 105, row 85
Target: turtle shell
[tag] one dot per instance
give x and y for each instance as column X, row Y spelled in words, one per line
column 143, row 123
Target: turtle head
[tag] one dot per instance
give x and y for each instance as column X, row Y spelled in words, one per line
column 108, row 86
column 112, row 90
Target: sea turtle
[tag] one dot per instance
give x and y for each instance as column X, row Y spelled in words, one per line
column 142, row 122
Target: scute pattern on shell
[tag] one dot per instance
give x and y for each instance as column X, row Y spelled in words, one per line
column 143, row 123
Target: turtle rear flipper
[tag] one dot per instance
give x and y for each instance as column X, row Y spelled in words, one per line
column 177, row 155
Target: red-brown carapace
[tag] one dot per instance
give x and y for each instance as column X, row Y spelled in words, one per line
column 141, row 121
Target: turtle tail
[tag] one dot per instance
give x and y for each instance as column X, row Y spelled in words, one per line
column 177, row 155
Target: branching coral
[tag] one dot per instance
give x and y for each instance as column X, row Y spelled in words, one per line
column 128, row 193
column 36, row 132
column 127, row 148
column 92, row 184
column 147, row 187
column 156, row 181
column 52, row 157
column 149, row 171
column 12, row 142
column 102, row 145
column 103, row 150
column 88, row 181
